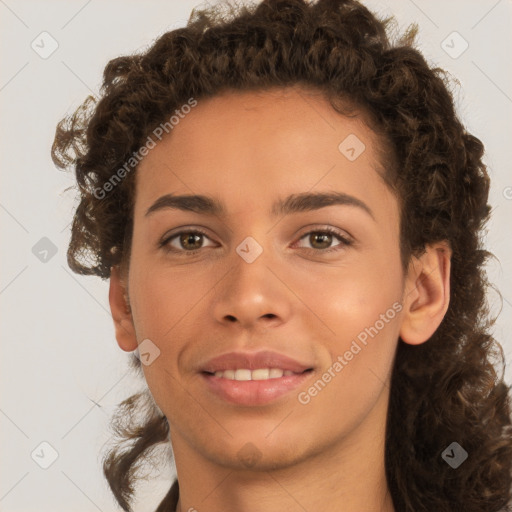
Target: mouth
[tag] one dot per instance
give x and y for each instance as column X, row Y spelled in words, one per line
column 246, row 387
column 246, row 374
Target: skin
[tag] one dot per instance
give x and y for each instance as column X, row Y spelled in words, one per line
column 247, row 150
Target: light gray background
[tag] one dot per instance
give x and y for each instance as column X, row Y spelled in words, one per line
column 62, row 372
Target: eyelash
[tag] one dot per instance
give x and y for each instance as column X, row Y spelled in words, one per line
column 345, row 242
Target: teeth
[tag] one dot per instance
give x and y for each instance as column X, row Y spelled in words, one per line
column 243, row 375
column 259, row 374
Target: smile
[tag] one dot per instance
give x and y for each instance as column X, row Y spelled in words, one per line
column 259, row 374
column 254, row 387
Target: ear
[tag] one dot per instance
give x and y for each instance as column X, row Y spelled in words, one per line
column 121, row 312
column 426, row 294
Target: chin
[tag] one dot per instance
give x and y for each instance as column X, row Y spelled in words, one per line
column 252, row 454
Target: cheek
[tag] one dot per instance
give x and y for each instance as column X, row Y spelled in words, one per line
column 168, row 309
column 163, row 298
column 357, row 297
column 361, row 307
column 365, row 319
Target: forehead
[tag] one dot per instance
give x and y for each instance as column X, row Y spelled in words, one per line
column 260, row 144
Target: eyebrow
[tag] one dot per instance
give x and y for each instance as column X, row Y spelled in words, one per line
column 295, row 203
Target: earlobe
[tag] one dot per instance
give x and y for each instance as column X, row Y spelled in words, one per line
column 121, row 312
column 427, row 294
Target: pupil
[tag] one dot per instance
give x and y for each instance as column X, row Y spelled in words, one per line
column 188, row 238
column 325, row 235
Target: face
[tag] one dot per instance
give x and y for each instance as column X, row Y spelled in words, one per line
column 320, row 285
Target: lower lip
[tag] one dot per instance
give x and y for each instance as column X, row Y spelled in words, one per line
column 254, row 392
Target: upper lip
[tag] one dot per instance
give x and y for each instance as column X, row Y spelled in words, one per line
column 253, row 361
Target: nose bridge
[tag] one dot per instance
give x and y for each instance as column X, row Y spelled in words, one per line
column 250, row 291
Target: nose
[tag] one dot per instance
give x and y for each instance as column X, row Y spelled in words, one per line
column 251, row 295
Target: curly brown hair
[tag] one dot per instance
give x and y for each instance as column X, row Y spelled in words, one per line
column 442, row 391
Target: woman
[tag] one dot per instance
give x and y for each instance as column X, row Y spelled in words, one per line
column 290, row 214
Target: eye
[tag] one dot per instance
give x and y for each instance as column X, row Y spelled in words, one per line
column 324, row 238
column 189, row 242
